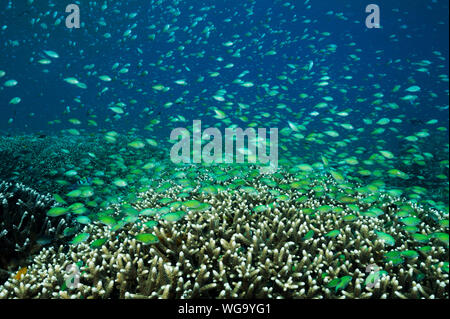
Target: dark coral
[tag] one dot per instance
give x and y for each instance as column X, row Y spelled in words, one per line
column 24, row 224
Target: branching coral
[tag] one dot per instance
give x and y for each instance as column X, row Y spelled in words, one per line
column 23, row 221
column 250, row 244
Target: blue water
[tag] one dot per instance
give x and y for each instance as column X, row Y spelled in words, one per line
column 420, row 27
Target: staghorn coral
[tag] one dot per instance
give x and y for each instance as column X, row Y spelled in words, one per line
column 233, row 250
column 23, row 221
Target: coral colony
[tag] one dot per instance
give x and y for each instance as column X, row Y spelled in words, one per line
column 282, row 237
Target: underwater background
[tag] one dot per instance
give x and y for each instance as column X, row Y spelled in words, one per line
column 93, row 206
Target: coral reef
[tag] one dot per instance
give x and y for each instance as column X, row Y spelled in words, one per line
column 24, row 223
column 34, row 160
column 265, row 241
column 37, row 161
